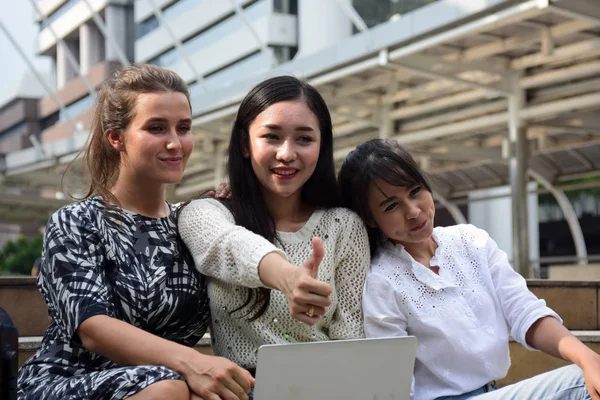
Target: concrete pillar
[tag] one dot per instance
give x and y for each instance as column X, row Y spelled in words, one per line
column 64, row 70
column 116, row 21
column 518, row 164
column 91, row 46
column 321, row 24
column 492, row 216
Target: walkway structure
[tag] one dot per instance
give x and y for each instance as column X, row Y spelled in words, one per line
column 484, row 94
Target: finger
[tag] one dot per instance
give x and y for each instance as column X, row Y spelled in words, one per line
column 233, row 384
column 305, row 300
column 211, row 193
column 317, row 311
column 317, row 256
column 244, row 379
column 228, row 389
column 206, row 396
column 302, row 317
column 313, row 286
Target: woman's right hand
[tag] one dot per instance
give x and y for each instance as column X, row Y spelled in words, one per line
column 216, row 378
column 308, row 298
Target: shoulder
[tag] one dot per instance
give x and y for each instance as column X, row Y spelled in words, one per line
column 203, row 208
column 381, row 272
column 467, row 234
column 79, row 212
column 77, row 219
column 342, row 216
column 386, row 262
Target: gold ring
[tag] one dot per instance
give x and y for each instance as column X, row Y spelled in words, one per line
column 311, row 311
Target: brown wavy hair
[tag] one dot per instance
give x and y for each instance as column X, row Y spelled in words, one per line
column 115, row 109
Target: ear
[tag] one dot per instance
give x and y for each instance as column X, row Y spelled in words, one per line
column 244, row 150
column 370, row 223
column 115, row 139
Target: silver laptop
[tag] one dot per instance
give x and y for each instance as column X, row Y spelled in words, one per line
column 358, row 369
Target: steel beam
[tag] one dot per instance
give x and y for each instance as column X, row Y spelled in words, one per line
column 176, row 42
column 452, row 208
column 569, row 213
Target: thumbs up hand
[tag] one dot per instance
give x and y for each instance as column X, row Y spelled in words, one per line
column 307, row 296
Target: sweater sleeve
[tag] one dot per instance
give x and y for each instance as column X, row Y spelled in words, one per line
column 220, row 248
column 353, row 263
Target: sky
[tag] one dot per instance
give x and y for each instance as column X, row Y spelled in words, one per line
column 19, row 20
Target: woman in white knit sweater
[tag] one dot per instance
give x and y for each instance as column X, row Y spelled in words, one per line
column 284, row 263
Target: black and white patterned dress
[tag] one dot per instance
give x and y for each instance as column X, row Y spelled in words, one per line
column 107, row 261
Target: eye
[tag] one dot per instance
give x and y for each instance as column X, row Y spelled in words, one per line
column 305, row 139
column 155, row 129
column 270, row 136
column 415, row 191
column 391, row 207
column 184, row 129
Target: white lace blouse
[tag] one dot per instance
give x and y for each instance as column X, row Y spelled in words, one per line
column 229, row 255
column 462, row 317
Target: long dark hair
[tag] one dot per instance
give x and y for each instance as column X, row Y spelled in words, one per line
column 247, row 204
column 381, row 159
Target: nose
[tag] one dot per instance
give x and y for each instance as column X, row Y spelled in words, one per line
column 173, row 142
column 412, row 210
column 287, row 151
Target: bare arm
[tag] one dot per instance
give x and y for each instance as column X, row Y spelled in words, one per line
column 209, row 377
column 551, row 337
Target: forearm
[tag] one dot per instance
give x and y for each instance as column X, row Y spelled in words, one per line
column 125, row 344
column 275, row 271
column 551, row 337
column 220, row 248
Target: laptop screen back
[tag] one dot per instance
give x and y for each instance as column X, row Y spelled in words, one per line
column 338, row 369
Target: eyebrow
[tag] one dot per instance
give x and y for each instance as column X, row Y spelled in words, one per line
column 298, row 128
column 164, row 120
column 388, row 200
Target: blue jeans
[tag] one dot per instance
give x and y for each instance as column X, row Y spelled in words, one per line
column 564, row 383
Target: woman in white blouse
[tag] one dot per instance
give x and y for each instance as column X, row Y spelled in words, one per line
column 279, row 230
column 453, row 289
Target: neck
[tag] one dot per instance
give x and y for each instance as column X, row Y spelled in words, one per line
column 423, row 250
column 288, row 209
column 141, row 198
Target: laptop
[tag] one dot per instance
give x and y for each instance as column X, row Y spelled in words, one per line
column 357, row 369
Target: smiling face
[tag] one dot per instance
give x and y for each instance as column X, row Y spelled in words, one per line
column 157, row 143
column 284, row 145
column 403, row 214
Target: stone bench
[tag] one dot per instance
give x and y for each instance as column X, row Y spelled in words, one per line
column 526, row 363
column 576, row 302
column 28, row 345
column 22, row 301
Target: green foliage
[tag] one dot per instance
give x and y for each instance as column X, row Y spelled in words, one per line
column 17, row 256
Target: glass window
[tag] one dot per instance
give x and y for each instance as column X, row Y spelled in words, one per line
column 76, row 108
column 145, row 27
column 225, row 28
column 212, row 35
column 60, row 11
column 286, row 6
column 375, row 12
column 179, row 7
column 12, row 129
column 169, row 12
